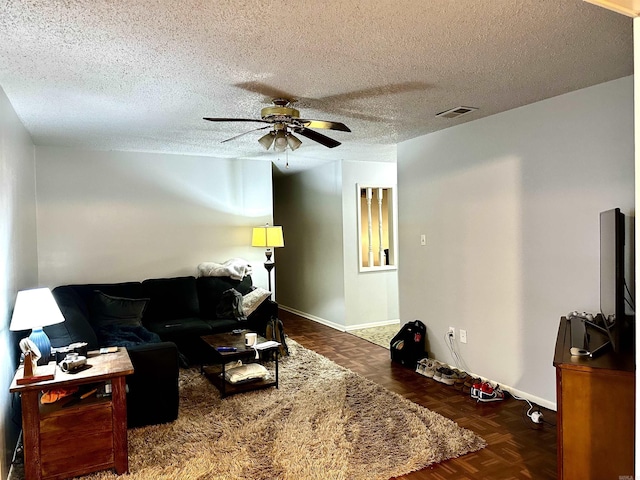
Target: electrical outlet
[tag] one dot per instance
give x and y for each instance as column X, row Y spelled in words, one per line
column 452, row 332
column 463, row 336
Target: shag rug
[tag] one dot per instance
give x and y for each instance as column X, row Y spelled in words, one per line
column 324, row 422
column 379, row 335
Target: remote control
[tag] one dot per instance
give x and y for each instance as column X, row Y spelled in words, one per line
column 227, row 349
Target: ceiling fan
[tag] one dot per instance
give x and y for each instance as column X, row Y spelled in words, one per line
column 284, row 120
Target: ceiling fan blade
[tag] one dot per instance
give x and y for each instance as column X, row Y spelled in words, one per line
column 250, row 131
column 235, row 120
column 267, row 91
column 324, row 124
column 317, row 137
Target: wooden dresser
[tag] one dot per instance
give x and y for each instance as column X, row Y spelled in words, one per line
column 596, row 412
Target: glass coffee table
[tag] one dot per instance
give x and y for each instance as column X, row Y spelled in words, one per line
column 218, row 359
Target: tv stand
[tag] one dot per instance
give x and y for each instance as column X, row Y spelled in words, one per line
column 596, row 411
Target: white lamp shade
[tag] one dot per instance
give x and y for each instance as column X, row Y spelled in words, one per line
column 267, row 236
column 35, row 308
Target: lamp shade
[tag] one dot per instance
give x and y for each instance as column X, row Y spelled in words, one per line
column 280, row 143
column 267, row 236
column 35, row 308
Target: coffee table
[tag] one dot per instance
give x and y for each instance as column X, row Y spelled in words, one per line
column 215, row 371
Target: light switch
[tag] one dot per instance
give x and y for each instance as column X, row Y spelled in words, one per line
column 423, row 239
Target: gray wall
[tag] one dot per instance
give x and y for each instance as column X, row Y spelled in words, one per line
column 308, row 269
column 510, row 207
column 119, row 216
column 371, row 298
column 317, row 271
column 18, row 256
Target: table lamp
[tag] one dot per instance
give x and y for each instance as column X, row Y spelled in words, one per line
column 36, row 308
column 269, row 237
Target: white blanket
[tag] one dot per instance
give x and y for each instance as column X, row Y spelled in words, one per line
column 235, row 268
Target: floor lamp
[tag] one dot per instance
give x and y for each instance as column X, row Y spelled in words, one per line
column 268, row 237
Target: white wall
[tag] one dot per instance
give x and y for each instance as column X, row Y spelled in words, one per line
column 120, row 216
column 18, row 254
column 371, row 298
column 510, row 205
column 308, row 269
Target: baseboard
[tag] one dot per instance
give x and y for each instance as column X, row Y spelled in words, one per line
column 518, row 393
column 360, row 326
column 313, row 318
column 513, row 391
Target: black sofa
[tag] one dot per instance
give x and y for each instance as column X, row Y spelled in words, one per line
column 174, row 313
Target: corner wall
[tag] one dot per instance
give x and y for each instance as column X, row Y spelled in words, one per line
column 18, row 258
column 308, row 270
column 125, row 216
column 317, row 270
column 510, row 205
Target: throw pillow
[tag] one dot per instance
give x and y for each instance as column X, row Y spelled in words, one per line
column 253, row 299
column 231, row 305
column 107, row 310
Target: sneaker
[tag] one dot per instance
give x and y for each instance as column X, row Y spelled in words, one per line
column 469, row 382
column 422, row 365
column 460, row 379
column 475, row 389
column 453, row 378
column 427, row 367
column 443, row 375
column 489, row 393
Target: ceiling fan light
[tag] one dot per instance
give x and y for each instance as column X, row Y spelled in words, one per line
column 267, row 140
column 293, row 142
column 280, row 143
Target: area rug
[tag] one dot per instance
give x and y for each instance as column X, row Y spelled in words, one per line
column 324, row 422
column 379, row 335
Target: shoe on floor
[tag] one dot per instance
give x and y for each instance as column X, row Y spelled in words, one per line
column 453, row 377
column 460, row 379
column 469, row 381
column 475, row 387
column 489, row 393
column 427, row 367
column 444, row 375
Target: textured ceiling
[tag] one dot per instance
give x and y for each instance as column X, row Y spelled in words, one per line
column 140, row 75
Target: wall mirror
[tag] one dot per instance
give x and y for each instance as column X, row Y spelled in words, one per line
column 376, row 228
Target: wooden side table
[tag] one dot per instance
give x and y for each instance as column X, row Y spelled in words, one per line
column 68, row 439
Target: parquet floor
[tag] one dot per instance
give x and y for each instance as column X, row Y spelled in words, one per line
column 517, row 449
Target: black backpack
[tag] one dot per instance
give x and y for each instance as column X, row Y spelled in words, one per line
column 409, row 344
column 275, row 331
column 230, row 305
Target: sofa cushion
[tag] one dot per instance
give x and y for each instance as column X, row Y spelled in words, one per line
column 191, row 326
column 76, row 326
column 210, row 290
column 111, row 335
column 107, row 310
column 169, row 299
column 222, row 325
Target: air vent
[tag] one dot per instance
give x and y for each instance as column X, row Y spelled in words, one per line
column 456, row 112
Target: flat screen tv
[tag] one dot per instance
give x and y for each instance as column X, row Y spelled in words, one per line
column 612, row 286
